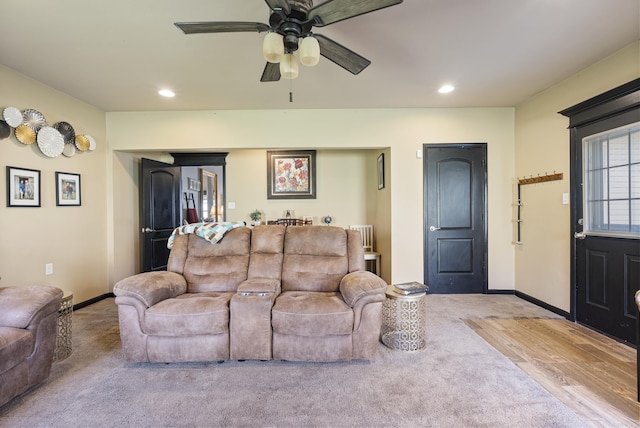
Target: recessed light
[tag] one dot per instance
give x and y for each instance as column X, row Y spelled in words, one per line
column 445, row 89
column 167, row 93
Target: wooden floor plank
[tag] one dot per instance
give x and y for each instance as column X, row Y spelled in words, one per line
column 590, row 372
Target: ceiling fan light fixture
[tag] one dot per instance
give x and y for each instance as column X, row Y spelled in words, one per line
column 309, row 51
column 273, row 47
column 289, row 67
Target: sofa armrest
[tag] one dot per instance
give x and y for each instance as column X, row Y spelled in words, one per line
column 260, row 285
column 151, row 287
column 358, row 285
column 24, row 306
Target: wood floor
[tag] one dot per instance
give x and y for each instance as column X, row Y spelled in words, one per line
column 589, row 372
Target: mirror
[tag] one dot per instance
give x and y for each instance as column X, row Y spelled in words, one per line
column 209, row 195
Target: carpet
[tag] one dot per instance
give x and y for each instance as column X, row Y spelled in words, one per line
column 459, row 380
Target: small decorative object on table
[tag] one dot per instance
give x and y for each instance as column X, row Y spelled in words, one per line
column 255, row 217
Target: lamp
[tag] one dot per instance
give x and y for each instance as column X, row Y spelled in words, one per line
column 289, row 67
column 273, row 47
column 309, row 51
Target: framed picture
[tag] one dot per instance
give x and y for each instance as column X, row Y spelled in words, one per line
column 67, row 189
column 381, row 171
column 23, row 187
column 291, row 174
column 193, row 184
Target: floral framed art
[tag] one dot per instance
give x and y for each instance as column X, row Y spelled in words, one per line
column 291, row 174
column 23, row 187
column 67, row 189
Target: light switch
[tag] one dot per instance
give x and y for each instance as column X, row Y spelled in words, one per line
column 565, row 199
column 419, row 154
column 231, row 205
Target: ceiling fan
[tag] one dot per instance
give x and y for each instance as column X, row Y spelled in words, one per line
column 290, row 28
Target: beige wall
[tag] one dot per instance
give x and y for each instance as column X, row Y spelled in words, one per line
column 74, row 239
column 94, row 245
column 348, row 144
column 542, row 146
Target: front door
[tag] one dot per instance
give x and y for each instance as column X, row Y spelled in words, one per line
column 606, row 182
column 159, row 212
column 455, row 232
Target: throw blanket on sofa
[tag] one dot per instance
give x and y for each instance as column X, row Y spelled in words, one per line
column 212, row 232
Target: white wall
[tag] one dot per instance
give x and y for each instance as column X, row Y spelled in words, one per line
column 542, row 146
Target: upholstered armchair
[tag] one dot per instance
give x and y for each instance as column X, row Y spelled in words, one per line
column 28, row 330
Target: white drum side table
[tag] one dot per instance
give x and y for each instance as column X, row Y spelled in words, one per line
column 64, row 339
column 404, row 321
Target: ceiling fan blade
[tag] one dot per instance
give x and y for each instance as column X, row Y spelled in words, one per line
column 337, row 10
column 342, row 56
column 279, row 4
column 221, row 27
column 271, row 73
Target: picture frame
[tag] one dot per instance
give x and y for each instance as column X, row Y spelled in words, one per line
column 291, row 174
column 193, row 184
column 23, row 187
column 381, row 171
column 68, row 189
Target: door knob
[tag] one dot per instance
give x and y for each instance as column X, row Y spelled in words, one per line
column 147, row 230
column 433, row 228
column 579, row 235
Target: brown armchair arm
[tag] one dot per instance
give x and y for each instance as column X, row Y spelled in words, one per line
column 358, row 285
column 23, row 307
column 151, row 287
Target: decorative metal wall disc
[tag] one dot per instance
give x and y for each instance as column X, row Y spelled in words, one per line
column 50, row 141
column 69, row 150
column 33, row 118
column 82, row 143
column 92, row 142
column 5, row 130
column 25, row 134
column 12, row 116
column 67, row 132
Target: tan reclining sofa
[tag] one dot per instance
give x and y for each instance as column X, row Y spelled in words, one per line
column 297, row 293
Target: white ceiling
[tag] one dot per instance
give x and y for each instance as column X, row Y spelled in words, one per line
column 116, row 54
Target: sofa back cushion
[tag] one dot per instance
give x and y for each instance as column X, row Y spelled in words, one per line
column 266, row 252
column 210, row 267
column 315, row 258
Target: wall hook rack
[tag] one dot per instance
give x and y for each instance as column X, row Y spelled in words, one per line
column 532, row 180
column 541, row 178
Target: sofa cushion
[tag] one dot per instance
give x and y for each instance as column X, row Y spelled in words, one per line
column 315, row 258
column 308, row 313
column 189, row 314
column 15, row 346
column 210, row 267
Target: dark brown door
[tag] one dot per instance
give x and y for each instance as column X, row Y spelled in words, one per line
column 455, row 232
column 159, row 212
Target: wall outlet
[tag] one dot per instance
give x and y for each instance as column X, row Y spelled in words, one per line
column 48, row 269
column 231, row 205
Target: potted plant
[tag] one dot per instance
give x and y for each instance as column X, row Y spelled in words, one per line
column 255, row 217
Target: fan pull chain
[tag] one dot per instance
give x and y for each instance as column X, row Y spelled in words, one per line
column 291, row 90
